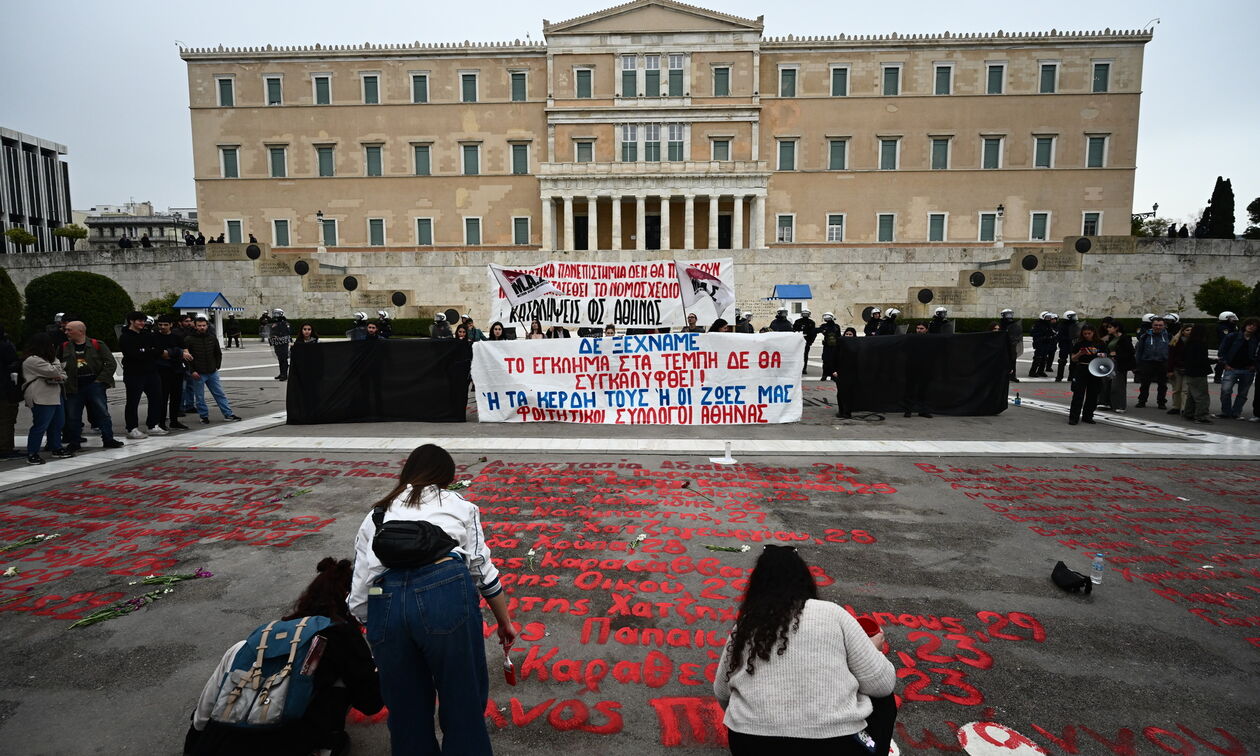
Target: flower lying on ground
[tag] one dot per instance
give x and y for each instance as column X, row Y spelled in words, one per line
column 459, row 485
column 29, row 541
column 126, row 606
column 634, row 543
column 12, row 571
column 531, row 559
column 168, row 579
column 734, row 549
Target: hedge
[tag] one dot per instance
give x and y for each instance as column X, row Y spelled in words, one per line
column 10, row 308
column 96, row 300
column 337, row 327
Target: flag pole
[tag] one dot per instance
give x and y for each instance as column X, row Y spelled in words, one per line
column 681, row 299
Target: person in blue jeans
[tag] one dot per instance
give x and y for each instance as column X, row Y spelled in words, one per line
column 1238, row 353
column 42, row 377
column 89, row 367
column 207, row 358
column 424, row 623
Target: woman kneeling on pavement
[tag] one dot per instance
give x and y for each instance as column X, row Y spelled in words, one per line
column 799, row 675
column 420, row 559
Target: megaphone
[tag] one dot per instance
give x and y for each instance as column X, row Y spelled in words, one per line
column 1102, row 367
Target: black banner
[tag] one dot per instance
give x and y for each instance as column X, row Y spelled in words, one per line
column 379, row 380
column 964, row 374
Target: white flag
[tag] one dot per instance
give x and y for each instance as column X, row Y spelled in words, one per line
column 520, row 287
column 695, row 283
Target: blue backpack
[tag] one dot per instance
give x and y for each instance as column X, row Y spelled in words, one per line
column 263, row 688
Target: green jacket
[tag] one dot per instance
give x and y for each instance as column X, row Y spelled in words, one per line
column 99, row 360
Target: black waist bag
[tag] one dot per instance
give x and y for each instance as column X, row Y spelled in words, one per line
column 401, row 544
column 1071, row 580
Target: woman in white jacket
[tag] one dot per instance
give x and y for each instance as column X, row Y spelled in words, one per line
column 42, row 378
column 424, row 623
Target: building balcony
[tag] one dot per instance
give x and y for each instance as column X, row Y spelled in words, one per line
column 667, row 168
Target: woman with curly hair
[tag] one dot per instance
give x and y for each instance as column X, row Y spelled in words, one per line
column 799, row 675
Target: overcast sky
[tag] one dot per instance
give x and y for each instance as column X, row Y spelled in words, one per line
column 106, row 80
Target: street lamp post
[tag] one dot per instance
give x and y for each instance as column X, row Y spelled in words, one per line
column 319, row 231
column 997, row 223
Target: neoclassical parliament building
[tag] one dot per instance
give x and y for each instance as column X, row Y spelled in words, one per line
column 660, row 125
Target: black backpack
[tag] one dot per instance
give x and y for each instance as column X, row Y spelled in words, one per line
column 401, row 544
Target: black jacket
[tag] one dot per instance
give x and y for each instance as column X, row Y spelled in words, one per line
column 940, row 325
column 887, row 326
column 1122, row 353
column 1080, row 366
column 207, row 355
column 172, row 351
column 140, row 351
column 1233, row 344
column 9, row 364
column 807, row 327
column 872, row 327
column 1044, row 336
column 1194, row 359
column 780, row 324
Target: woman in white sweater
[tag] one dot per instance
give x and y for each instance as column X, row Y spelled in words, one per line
column 42, row 379
column 800, row 675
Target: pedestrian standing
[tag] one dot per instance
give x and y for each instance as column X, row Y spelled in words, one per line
column 1069, row 331
column 281, row 338
column 1195, row 367
column 207, row 358
column 1115, row 390
column 1227, row 323
column 183, row 330
column 1015, row 336
column 171, row 367
column 1152, row 363
column 89, row 367
column 1044, row 338
column 1176, row 379
column 264, row 327
column 42, row 378
column 232, row 329
column 1085, row 386
column 829, row 331
column 1239, row 353
column 808, row 330
column 140, row 377
column 940, row 322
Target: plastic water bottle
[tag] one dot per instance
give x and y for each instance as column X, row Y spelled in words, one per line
column 1097, row 568
column 1017, row 400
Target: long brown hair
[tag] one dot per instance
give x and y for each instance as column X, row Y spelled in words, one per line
column 326, row 595
column 428, row 465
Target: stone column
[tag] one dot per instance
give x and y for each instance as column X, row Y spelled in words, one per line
column 592, row 221
column 568, row 223
column 759, row 221
column 737, row 223
column 665, row 221
column 689, row 222
column 640, row 222
column 713, row 221
column 616, row 222
column 548, row 209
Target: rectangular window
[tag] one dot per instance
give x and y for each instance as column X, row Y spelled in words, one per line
column 520, row 159
column 231, row 165
column 422, row 158
column 676, row 143
column 676, row 75
column 840, row 82
column 371, row 89
column 582, row 80
column 279, row 165
column 275, row 92
column 227, row 92
column 835, row 227
column 629, row 143
column 1049, row 78
column 837, row 154
column 629, row 76
column 518, row 86
column 996, row 79
column 376, row 232
column 234, row 232
column 330, row 233
column 1039, row 227
column 419, row 88
column 323, row 90
column 472, row 231
column 892, row 81
column 325, row 160
column 520, row 231
column 468, row 87
column 279, row 233
column 787, row 82
column 988, row 227
column 372, row 159
column 886, row 227
column 424, row 232
column 721, row 81
column 940, row 154
column 936, row 227
column 944, row 80
column 721, row 149
column 1090, row 223
column 652, row 143
column 1102, row 77
column 991, row 156
column 652, row 75
column 787, row 155
column 786, row 227
column 1043, row 152
column 585, row 152
column 472, row 159
column 1096, row 152
column 888, row 154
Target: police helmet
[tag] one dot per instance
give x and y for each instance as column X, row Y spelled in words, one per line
column 277, row 312
column 893, row 312
column 942, row 311
column 1006, row 312
column 805, row 313
column 1227, row 315
column 1070, row 314
column 1172, row 317
column 829, row 316
column 382, row 314
column 439, row 318
column 876, row 311
column 782, row 311
column 360, row 316
column 1148, row 317
column 1046, row 315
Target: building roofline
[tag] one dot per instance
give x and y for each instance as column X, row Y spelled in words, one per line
column 1054, row 36
column 616, row 10
column 40, row 142
column 370, row 49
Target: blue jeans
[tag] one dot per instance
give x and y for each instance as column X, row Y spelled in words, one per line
column 426, row 634
column 92, row 396
column 210, row 381
column 46, row 419
column 1231, row 379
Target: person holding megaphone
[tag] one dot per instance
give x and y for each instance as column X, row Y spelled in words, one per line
column 1085, row 382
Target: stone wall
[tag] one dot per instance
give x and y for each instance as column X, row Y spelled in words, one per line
column 1118, row 275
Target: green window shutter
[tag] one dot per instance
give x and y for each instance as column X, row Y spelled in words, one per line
column 325, row 160
column 988, row 222
column 585, row 152
column 1097, row 152
column 787, row 155
column 231, row 168
column 936, row 227
column 892, row 81
column 837, row 154
column 675, row 151
column 885, row 227
column 584, row 89
column 721, row 149
column 471, row 160
column 227, row 97
column 721, row 82
column 330, row 233
column 234, row 232
column 374, row 161
column 282, row 233
column 992, row 154
column 996, row 75
column 520, row 230
column 629, row 152
column 888, row 154
column 1038, row 226
column 1102, row 77
column 422, row 159
column 520, row 159
column 944, row 79
column 472, row 230
column 518, row 86
column 675, row 82
column 424, row 232
column 629, row 83
column 1044, row 152
column 419, row 88
column 468, row 87
column 371, row 90
column 787, row 82
column 940, row 154
column 323, row 90
column 274, row 94
column 652, row 152
column 376, row 232
column 1049, row 72
column 652, row 82
column 277, row 162
column 839, row 82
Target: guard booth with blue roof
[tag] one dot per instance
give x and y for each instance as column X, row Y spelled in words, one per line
column 209, row 303
column 793, row 296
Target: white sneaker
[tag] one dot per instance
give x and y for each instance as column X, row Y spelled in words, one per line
column 157, row 430
column 137, row 434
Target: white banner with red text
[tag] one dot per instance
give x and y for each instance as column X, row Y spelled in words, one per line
column 653, row 379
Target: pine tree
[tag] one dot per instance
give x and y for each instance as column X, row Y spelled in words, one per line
column 1220, row 212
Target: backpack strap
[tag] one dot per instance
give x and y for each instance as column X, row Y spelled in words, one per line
column 378, row 517
column 283, row 674
column 255, row 671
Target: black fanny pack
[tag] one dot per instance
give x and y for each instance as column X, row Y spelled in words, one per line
column 401, row 544
column 1071, row 580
